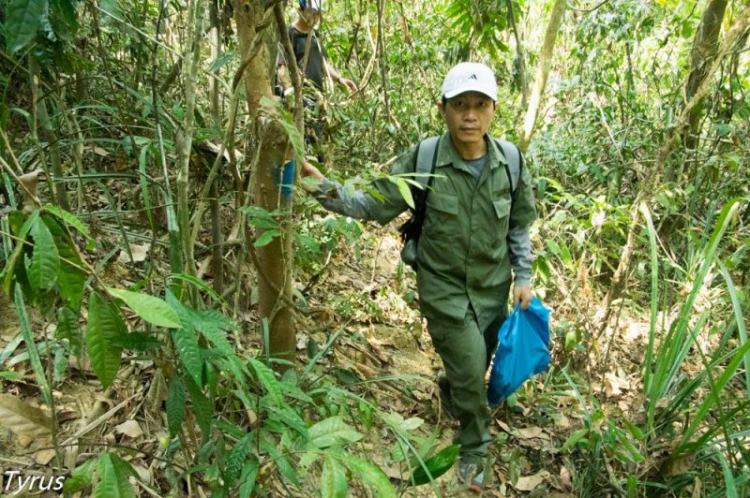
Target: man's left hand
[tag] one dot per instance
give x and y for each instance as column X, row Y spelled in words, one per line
column 522, row 294
column 352, row 86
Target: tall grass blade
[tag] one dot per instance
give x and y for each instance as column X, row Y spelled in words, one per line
column 672, row 347
column 28, row 337
column 741, row 329
column 654, row 301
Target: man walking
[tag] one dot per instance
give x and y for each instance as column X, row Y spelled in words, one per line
column 475, row 231
column 313, row 64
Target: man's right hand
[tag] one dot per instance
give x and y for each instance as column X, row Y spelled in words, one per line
column 309, row 171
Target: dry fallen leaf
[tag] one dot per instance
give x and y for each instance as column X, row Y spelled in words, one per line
column 529, row 483
column 43, row 457
column 22, row 418
column 130, row 428
column 139, row 252
column 529, row 433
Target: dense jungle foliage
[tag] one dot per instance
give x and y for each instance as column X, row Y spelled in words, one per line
column 165, row 330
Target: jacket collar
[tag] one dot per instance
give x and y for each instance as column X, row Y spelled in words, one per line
column 447, row 155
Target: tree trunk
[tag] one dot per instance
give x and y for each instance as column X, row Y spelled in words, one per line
column 269, row 139
column 213, row 90
column 519, row 63
column 185, row 134
column 545, row 61
column 703, row 53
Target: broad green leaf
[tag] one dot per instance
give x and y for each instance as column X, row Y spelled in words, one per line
column 190, row 355
column 152, row 309
column 69, row 219
column 114, row 476
column 404, row 189
column 222, row 60
column 21, row 23
column 269, row 382
column 81, row 478
column 138, row 341
column 372, row 475
column 104, row 328
column 237, row 458
column 175, row 406
column 267, row 237
column 286, row 469
column 333, row 480
column 210, row 323
column 438, row 465
column 202, row 406
column 213, row 326
column 111, row 7
column 573, row 439
column 72, row 277
column 331, row 431
column 67, row 328
column 45, row 262
column 291, row 419
column 247, row 479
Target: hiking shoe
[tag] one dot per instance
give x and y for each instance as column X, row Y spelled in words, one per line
column 444, row 390
column 471, row 473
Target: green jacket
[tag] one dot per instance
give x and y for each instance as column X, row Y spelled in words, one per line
column 463, row 252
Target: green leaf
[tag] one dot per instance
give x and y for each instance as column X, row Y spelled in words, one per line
column 222, row 60
column 111, row 7
column 267, row 237
column 201, row 405
column 237, row 458
column 45, row 262
column 105, row 326
column 573, row 439
column 189, row 351
column 269, row 382
column 247, row 479
column 67, row 328
column 291, row 419
column 69, row 218
column 175, row 406
column 372, row 475
column 404, row 189
column 438, row 465
column 72, row 278
column 150, row 308
column 114, row 476
column 331, row 431
column 80, row 479
column 21, row 23
column 333, row 480
column 138, row 341
column 213, row 326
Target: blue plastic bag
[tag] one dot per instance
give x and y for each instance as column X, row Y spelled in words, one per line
column 522, row 350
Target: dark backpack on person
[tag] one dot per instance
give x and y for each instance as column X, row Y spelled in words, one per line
column 424, row 167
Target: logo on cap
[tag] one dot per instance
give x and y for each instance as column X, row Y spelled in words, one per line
column 473, row 77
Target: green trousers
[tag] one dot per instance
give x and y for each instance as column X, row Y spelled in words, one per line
column 466, row 350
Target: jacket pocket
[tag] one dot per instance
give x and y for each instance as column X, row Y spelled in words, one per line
column 502, row 208
column 445, row 203
column 441, row 216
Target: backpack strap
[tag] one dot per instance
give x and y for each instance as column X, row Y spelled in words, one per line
column 513, row 166
column 426, row 160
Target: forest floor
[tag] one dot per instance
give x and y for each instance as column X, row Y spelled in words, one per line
column 384, row 354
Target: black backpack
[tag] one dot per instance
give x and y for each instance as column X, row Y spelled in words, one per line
column 424, row 167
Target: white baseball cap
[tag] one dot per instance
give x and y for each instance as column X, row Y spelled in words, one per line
column 312, row 4
column 470, row 77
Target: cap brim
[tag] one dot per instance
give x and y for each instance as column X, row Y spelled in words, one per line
column 471, row 88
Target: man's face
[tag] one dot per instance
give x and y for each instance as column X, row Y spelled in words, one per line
column 468, row 116
column 311, row 18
